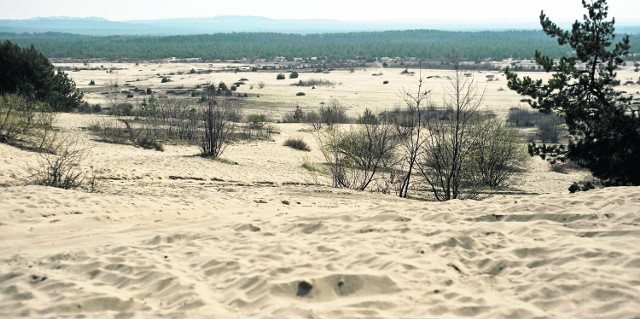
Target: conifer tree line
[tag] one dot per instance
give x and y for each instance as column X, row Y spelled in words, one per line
column 367, row 46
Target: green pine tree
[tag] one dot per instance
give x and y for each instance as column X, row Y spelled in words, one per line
column 604, row 127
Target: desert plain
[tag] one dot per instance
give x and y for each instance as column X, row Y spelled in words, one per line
column 174, row 235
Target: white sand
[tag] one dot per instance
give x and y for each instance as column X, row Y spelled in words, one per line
column 238, row 241
column 173, row 235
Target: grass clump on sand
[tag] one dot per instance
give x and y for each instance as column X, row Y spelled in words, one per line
column 222, row 160
column 298, row 144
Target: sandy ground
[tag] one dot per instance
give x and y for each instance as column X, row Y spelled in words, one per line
column 356, row 91
column 172, row 235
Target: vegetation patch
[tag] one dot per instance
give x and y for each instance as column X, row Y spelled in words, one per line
column 298, row 144
column 315, row 82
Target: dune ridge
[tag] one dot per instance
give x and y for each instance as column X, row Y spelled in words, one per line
column 547, row 256
column 173, row 235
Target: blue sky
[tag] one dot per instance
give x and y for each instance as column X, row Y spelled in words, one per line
column 465, row 11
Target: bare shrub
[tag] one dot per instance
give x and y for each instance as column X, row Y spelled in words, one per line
column 354, row 156
column 253, row 132
column 409, row 128
column 444, row 160
column 550, row 129
column 61, row 168
column 498, row 153
column 329, row 115
column 465, row 150
column 217, row 128
column 21, row 118
column 334, row 113
column 109, row 129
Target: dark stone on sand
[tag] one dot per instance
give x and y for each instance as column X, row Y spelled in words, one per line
column 303, row 288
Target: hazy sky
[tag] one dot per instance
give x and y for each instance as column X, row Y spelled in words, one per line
column 471, row 11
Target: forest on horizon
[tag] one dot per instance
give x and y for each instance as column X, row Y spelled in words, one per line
column 363, row 46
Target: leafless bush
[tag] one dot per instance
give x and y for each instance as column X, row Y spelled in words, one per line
column 25, row 120
column 550, row 129
column 498, row 153
column 409, row 128
column 329, row 115
column 217, row 128
column 465, row 150
column 444, row 160
column 61, row 168
column 109, row 129
column 354, row 156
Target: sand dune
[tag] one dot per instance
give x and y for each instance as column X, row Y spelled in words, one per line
column 173, row 235
column 335, row 254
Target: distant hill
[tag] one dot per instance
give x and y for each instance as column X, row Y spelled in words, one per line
column 628, row 29
column 227, row 24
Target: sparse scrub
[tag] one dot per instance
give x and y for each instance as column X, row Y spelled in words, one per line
column 25, row 123
column 253, row 132
column 61, row 168
column 121, row 109
column 498, row 153
column 410, row 130
column 315, row 82
column 550, row 129
column 298, row 144
column 217, row 128
column 309, row 166
column 367, row 117
column 465, row 150
column 87, row 108
column 334, row 113
column 149, row 143
column 256, row 120
column 355, row 156
column 521, row 117
column 108, row 129
column 328, row 115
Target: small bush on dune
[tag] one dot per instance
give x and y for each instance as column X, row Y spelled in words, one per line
column 256, row 119
column 550, row 129
column 298, row 144
column 61, row 167
column 149, row 143
column 23, row 121
column 355, row 156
